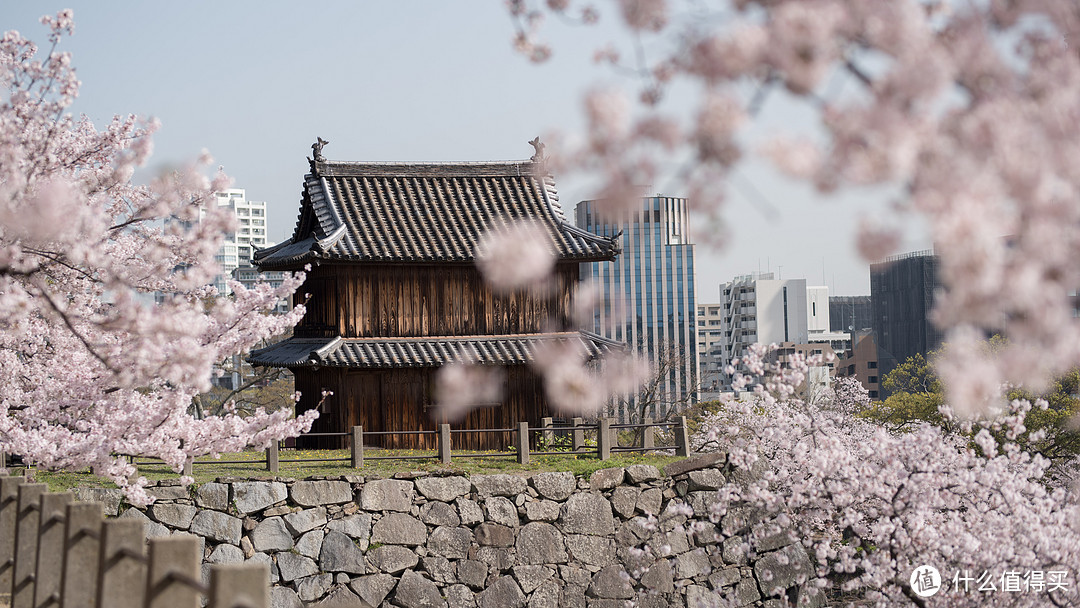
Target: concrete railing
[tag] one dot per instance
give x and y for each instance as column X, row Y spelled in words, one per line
column 55, row 551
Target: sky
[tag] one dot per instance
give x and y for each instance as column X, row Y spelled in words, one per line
column 256, row 82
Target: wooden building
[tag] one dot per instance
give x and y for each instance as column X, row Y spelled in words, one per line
column 393, row 294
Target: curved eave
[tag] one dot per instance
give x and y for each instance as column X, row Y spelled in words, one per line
column 428, row 352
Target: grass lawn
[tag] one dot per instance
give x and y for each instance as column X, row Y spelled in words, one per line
column 208, row 469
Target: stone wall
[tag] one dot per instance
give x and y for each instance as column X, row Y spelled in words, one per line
column 493, row 541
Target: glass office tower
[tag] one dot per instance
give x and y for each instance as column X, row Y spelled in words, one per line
column 647, row 297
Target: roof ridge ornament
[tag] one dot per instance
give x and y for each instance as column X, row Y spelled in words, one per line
column 538, row 156
column 316, row 150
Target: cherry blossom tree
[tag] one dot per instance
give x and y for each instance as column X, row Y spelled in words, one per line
column 971, row 114
column 969, row 111
column 91, row 369
column 871, row 505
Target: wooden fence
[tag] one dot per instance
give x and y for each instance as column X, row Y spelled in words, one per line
column 606, row 443
column 55, row 552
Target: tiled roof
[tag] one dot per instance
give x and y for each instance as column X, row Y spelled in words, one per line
column 423, row 212
column 382, row 353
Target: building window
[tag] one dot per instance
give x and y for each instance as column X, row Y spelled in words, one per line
column 871, row 364
column 873, row 394
column 872, row 379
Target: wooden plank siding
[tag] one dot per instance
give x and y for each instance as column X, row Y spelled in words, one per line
column 413, row 300
column 401, row 400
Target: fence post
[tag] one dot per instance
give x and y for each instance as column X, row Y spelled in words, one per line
column 78, row 586
column 26, row 544
column 523, row 443
column 682, row 438
column 9, row 510
column 548, row 435
column 272, row 457
column 189, row 464
column 577, row 436
column 648, row 435
column 603, row 438
column 50, row 557
column 444, row 443
column 173, row 572
column 357, row 446
column 239, row 585
column 122, row 581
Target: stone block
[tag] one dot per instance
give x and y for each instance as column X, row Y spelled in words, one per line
column 316, row 493
column 415, row 591
column 503, row 593
column 251, row 496
column 311, row 588
column 624, row 500
column 439, row 569
column 310, row 544
column 460, row 596
column 531, row 577
column 338, row 553
column 339, row 597
column 642, row 473
column 472, row 573
column 540, row 543
column 388, row 495
column 595, row 551
column 605, row 479
column 611, row 582
column 284, row 597
column 392, row 558
column 695, row 463
column 494, row 535
column 356, row 526
column 271, row 535
column 308, row 519
column 499, row 485
column 692, row 564
column 501, row 511
column 781, row 569
column 705, row 479
column 469, row 512
column 587, row 514
column 439, row 514
column 373, row 588
column 450, row 542
column 217, row 526
column 173, row 515
column 399, row 529
column 554, row 486
column 293, row 566
column 650, row 501
column 443, row 489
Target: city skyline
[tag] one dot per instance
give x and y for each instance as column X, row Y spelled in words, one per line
column 257, row 102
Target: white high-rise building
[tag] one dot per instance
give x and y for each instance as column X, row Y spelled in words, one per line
column 250, row 234
column 758, row 308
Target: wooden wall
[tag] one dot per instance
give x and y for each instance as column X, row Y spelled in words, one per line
column 400, row 400
column 409, row 300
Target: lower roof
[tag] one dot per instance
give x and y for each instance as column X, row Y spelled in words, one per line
column 388, row 353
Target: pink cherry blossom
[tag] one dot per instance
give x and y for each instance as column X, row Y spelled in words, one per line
column 91, row 369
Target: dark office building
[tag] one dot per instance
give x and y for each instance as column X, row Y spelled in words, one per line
column 902, row 295
column 850, row 313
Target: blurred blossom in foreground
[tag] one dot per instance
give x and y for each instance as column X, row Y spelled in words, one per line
column 516, row 257
column 462, row 386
